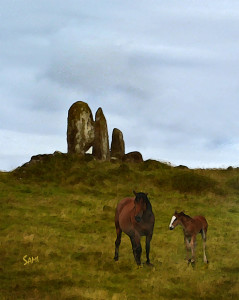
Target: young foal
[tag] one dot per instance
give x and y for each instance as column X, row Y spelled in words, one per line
column 191, row 227
column 134, row 216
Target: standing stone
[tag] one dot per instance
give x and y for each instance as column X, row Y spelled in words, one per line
column 101, row 144
column 80, row 129
column 117, row 144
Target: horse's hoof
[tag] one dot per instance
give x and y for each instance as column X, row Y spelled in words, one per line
column 193, row 263
column 149, row 264
column 140, row 266
column 116, row 258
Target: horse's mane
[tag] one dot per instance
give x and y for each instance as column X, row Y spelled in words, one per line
column 183, row 214
column 144, row 196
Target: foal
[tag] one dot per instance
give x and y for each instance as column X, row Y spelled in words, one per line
column 191, row 227
column 134, row 216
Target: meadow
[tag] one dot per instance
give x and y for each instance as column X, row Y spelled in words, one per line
column 61, row 212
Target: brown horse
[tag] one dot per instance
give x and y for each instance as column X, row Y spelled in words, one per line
column 134, row 216
column 191, row 227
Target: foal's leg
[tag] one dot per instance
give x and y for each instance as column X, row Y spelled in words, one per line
column 137, row 249
column 204, row 246
column 148, row 239
column 117, row 243
column 193, row 246
column 187, row 245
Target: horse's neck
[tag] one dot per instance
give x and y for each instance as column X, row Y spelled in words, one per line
column 185, row 221
column 147, row 214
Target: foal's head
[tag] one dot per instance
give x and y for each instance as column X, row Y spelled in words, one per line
column 140, row 203
column 176, row 219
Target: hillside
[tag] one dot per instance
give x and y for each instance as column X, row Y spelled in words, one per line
column 61, row 210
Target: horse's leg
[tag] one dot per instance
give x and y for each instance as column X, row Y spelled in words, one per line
column 203, row 233
column 187, row 245
column 118, row 240
column 193, row 246
column 148, row 239
column 137, row 249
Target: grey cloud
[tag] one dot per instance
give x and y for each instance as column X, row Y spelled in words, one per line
column 165, row 73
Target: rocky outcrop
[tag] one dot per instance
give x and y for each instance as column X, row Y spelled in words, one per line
column 182, row 167
column 135, row 157
column 101, row 142
column 117, row 144
column 80, row 129
column 83, row 133
column 41, row 158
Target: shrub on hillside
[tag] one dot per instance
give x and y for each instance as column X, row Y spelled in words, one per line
column 192, row 182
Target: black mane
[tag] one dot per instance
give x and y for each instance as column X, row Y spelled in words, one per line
column 183, row 214
column 145, row 198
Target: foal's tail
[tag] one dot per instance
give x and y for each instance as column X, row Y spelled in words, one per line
column 203, row 234
column 204, row 229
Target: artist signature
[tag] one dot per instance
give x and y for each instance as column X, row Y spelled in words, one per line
column 30, row 260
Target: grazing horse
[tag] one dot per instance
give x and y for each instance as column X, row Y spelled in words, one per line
column 191, row 227
column 134, row 216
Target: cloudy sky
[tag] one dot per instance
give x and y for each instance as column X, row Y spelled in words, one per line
column 166, row 73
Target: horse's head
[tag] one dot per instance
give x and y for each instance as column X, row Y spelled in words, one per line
column 176, row 219
column 140, row 203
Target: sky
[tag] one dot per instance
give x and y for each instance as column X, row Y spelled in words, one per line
column 166, row 73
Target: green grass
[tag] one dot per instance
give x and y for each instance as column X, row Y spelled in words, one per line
column 62, row 210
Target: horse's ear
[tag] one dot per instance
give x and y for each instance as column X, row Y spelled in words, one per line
column 146, row 194
column 135, row 193
column 175, row 212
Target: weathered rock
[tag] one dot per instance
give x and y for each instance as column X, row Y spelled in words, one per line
column 40, row 158
column 117, row 144
column 80, row 129
column 134, row 156
column 101, row 143
column 58, row 153
column 182, row 167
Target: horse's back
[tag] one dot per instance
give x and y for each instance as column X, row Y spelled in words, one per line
column 126, row 203
column 202, row 221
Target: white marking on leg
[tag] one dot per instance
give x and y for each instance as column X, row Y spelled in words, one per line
column 171, row 223
column 204, row 248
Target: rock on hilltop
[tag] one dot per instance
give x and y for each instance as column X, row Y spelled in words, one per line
column 117, row 144
column 83, row 133
column 101, row 143
column 80, row 129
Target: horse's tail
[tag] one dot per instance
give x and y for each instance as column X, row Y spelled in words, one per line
column 203, row 234
column 203, row 231
column 117, row 218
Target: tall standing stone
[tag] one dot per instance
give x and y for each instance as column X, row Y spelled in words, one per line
column 101, row 144
column 117, row 144
column 80, row 128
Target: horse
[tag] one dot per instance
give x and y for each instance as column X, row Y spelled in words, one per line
column 134, row 216
column 191, row 227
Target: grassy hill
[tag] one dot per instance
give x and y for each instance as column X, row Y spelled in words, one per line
column 61, row 210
